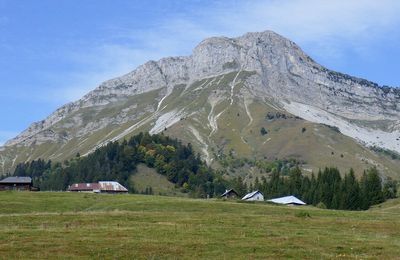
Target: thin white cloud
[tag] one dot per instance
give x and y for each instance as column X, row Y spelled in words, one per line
column 92, row 67
column 110, row 60
column 328, row 24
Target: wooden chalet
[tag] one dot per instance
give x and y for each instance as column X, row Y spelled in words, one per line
column 230, row 194
column 254, row 196
column 16, row 183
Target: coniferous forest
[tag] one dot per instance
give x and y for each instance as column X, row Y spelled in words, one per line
column 118, row 161
column 326, row 190
column 183, row 167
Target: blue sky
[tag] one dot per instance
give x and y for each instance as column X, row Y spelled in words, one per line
column 53, row 52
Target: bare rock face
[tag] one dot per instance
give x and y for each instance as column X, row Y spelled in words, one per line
column 283, row 73
column 28, row 136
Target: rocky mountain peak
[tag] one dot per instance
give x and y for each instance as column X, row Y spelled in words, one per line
column 264, row 65
column 213, row 56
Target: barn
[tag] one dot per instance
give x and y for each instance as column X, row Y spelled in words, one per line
column 84, row 187
column 287, row 200
column 16, row 183
column 254, row 196
column 98, row 187
column 230, row 194
column 112, row 187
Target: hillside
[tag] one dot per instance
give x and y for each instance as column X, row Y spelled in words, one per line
column 148, row 179
column 71, row 225
column 390, row 207
column 144, row 163
column 219, row 98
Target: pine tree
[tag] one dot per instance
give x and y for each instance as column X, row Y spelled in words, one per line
column 239, row 186
column 295, row 181
column 350, row 192
column 257, row 185
column 390, row 189
column 364, row 200
column 374, row 184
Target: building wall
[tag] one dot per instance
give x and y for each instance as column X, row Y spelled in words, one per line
column 258, row 197
column 231, row 196
column 12, row 186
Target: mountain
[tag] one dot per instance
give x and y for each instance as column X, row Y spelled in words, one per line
column 219, row 98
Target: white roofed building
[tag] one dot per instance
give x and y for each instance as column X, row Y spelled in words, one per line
column 288, row 200
column 112, row 187
column 254, row 196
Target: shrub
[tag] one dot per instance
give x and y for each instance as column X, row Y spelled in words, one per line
column 321, row 205
column 263, row 131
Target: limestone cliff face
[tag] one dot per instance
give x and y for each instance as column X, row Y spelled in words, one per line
column 280, row 72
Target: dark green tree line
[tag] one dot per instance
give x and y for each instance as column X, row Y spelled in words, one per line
column 328, row 188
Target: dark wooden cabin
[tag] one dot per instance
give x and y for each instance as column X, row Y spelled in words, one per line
column 230, row 194
column 16, row 183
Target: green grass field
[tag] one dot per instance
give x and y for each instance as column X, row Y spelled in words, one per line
column 70, row 225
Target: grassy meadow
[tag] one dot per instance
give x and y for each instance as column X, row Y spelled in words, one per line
column 81, row 226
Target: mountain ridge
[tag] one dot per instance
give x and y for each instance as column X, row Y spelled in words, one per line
column 260, row 66
column 150, row 66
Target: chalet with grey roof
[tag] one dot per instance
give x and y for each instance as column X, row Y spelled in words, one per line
column 16, row 183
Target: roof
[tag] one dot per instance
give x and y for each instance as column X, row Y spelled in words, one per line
column 100, row 186
column 17, row 179
column 250, row 195
column 111, row 186
column 228, row 191
column 287, row 200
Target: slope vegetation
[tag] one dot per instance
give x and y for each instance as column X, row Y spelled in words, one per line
column 203, row 115
column 148, row 180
